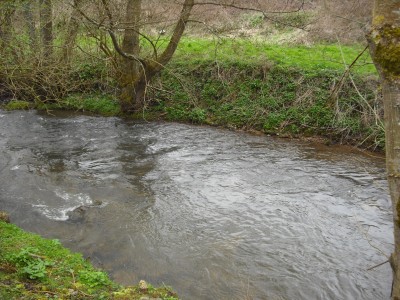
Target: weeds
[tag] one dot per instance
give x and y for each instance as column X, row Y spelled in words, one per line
column 284, row 101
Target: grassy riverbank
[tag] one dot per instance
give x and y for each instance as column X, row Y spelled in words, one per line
column 32, row 267
column 286, row 90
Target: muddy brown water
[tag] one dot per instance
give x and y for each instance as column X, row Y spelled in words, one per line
column 213, row 213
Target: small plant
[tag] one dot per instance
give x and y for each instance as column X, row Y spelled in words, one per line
column 94, row 278
column 30, row 263
column 176, row 113
column 256, row 21
column 198, row 115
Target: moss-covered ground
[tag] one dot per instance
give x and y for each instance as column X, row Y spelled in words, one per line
column 34, row 268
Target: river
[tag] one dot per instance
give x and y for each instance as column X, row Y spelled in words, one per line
column 213, row 213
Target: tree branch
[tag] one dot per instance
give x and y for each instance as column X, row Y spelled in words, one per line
column 232, row 5
column 177, row 34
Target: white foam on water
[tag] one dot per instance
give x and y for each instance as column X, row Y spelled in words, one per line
column 67, row 202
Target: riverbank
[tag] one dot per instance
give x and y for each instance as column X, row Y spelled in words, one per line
column 285, row 90
column 32, row 267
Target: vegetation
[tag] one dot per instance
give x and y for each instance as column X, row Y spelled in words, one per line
column 259, row 76
column 32, row 267
column 273, row 99
column 105, row 105
column 250, row 85
column 315, row 57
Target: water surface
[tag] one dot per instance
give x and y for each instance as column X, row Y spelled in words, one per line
column 215, row 214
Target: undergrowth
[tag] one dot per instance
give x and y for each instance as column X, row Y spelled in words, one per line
column 275, row 100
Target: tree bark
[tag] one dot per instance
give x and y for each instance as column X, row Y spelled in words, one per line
column 177, row 34
column 30, row 24
column 46, row 24
column 8, row 10
column 72, row 32
column 391, row 94
column 384, row 41
column 136, row 73
column 132, row 85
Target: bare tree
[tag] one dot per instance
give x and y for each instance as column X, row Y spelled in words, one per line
column 136, row 71
column 384, row 41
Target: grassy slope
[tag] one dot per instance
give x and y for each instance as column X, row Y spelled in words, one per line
column 285, row 90
column 317, row 57
column 32, row 267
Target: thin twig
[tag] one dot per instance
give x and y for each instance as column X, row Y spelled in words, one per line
column 378, row 265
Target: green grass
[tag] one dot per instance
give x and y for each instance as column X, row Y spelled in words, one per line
column 245, row 51
column 104, row 105
column 255, row 51
column 35, row 268
column 18, row 105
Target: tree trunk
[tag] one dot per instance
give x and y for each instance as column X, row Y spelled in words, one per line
column 391, row 94
column 30, row 24
column 177, row 34
column 6, row 15
column 72, row 32
column 132, row 84
column 46, row 24
column 384, row 41
column 136, row 73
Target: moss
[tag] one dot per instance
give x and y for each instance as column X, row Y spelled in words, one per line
column 104, row 105
column 32, row 267
column 18, row 105
column 387, row 53
column 378, row 20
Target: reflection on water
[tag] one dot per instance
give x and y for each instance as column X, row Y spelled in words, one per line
column 215, row 214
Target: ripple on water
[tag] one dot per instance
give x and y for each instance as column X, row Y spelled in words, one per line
column 215, row 214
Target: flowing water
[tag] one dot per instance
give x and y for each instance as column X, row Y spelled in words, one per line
column 213, row 213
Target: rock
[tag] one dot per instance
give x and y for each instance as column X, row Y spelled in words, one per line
column 97, row 202
column 4, row 217
column 78, row 214
column 143, row 285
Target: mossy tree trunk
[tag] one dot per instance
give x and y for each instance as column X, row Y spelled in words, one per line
column 131, row 91
column 7, row 10
column 46, row 27
column 30, row 23
column 136, row 72
column 384, row 40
